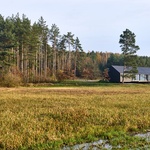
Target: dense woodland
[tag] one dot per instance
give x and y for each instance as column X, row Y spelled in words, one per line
column 37, row 53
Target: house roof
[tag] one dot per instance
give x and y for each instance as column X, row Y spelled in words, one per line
column 141, row 70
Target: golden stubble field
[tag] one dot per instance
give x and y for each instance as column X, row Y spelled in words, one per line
column 32, row 116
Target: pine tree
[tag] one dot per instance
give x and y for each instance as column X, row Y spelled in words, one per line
column 43, row 39
column 54, row 38
column 78, row 48
column 7, row 42
column 129, row 49
column 70, row 42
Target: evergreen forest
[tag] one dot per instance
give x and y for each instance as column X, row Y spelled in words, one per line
column 33, row 53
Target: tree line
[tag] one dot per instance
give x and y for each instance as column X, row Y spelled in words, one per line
column 118, row 59
column 37, row 53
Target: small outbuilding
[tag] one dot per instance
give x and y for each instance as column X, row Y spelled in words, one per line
column 116, row 72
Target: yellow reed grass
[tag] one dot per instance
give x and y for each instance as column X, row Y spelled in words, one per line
column 29, row 116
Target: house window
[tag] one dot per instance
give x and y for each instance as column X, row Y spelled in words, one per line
column 136, row 77
column 148, row 77
column 143, row 77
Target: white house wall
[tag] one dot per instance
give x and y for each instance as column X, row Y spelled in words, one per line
column 125, row 79
column 138, row 78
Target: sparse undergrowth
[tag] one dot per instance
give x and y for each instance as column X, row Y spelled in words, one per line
column 10, row 80
column 49, row 118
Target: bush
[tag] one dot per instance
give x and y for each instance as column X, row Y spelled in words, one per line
column 10, row 80
column 61, row 76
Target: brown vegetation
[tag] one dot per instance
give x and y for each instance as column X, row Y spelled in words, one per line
column 30, row 116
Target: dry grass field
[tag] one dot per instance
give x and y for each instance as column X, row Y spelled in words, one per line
column 47, row 118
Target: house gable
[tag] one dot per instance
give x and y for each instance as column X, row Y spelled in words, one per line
column 114, row 74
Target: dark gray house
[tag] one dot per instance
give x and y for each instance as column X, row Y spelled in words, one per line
column 116, row 72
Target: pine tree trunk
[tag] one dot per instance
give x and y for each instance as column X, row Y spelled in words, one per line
column 25, row 66
column 63, row 61
column 123, row 74
column 69, row 60
column 17, row 57
column 21, row 59
column 75, row 64
column 58, row 62
column 45, row 62
column 54, row 60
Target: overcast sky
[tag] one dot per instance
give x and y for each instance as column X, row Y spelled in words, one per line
column 97, row 23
